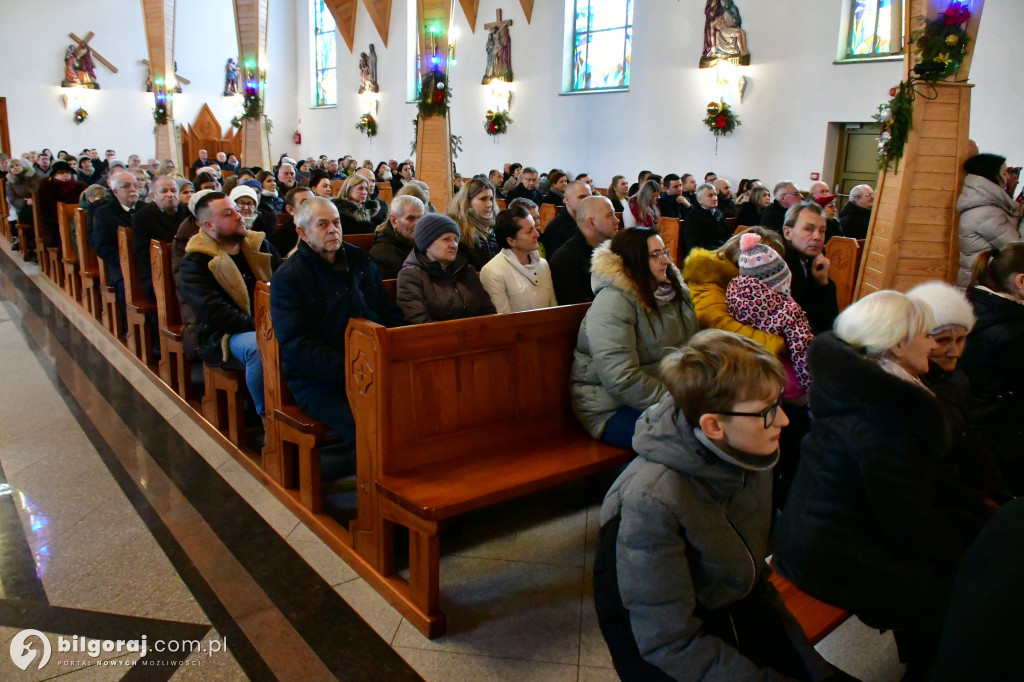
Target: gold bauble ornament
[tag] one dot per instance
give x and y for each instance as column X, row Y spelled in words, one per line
column 952, row 40
column 489, row 115
column 714, row 108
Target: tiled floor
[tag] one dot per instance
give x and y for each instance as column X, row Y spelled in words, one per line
column 125, row 518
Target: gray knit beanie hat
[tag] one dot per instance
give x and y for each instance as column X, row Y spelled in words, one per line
column 432, row 226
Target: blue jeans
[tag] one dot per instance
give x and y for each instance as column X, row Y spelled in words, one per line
column 619, row 429
column 243, row 348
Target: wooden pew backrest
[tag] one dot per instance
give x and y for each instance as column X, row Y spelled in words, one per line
column 844, row 257
column 363, row 241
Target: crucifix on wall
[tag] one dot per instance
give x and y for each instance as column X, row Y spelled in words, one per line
column 499, row 51
column 79, row 68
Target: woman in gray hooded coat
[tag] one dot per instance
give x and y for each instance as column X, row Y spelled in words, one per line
column 988, row 215
column 641, row 312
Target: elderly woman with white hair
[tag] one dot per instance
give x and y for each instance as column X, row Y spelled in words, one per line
column 861, row 528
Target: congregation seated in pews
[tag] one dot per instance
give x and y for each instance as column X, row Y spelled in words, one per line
column 536, row 392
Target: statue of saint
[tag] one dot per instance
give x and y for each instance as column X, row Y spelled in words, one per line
column 231, row 77
column 724, row 37
column 368, row 71
column 70, row 77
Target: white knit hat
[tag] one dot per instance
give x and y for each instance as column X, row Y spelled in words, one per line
column 244, row 191
column 948, row 304
column 194, row 199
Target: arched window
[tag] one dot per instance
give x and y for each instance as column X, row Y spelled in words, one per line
column 602, row 34
column 872, row 28
column 325, row 79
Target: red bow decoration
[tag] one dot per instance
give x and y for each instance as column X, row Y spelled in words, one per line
column 721, row 121
column 956, row 14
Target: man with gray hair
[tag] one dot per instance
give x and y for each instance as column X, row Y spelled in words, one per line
column 285, row 178
column 312, row 298
column 393, row 242
column 704, row 226
column 856, row 215
column 784, row 195
column 527, row 187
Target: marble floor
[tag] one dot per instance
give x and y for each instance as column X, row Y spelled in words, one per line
column 121, row 518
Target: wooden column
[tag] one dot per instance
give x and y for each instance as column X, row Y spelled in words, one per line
column 159, row 19
column 251, row 17
column 433, row 146
column 914, row 230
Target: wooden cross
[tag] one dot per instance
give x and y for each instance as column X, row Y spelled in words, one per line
column 180, row 79
column 85, row 43
column 498, row 24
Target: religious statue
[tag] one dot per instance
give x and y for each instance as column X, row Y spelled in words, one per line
column 231, row 78
column 79, row 68
column 724, row 37
column 368, row 71
column 499, row 51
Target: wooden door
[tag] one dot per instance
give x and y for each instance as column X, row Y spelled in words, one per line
column 857, row 160
column 5, row 135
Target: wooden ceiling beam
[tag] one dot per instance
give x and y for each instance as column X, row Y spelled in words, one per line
column 470, row 8
column 380, row 14
column 527, row 9
column 344, row 13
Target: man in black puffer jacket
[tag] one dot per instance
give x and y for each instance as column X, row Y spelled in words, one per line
column 392, row 244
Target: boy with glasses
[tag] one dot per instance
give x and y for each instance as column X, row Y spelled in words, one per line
column 680, row 580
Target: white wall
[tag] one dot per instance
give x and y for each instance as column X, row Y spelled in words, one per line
column 120, row 113
column 795, row 90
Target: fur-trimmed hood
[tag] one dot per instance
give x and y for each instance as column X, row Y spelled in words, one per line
column 848, row 382
column 223, row 268
column 607, row 270
column 703, row 266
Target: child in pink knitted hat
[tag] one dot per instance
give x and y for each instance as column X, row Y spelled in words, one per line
column 760, row 297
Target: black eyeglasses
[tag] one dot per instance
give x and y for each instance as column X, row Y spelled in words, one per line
column 767, row 415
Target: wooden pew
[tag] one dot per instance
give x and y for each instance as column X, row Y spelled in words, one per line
column 669, row 229
column 23, row 230
column 139, row 309
column 502, row 204
column 336, row 187
column 844, row 255
column 108, row 301
column 452, row 417
column 294, row 439
column 601, row 191
column 740, row 228
column 175, row 367
column 817, row 619
column 385, row 192
column 42, row 257
column 363, row 241
column 89, row 269
column 733, row 224
column 65, row 219
column 547, row 214
column 224, row 401
column 5, row 210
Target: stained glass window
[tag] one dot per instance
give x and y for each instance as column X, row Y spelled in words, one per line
column 875, row 28
column 325, row 64
column 602, row 37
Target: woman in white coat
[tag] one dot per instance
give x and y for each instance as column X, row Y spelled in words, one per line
column 988, row 215
column 518, row 278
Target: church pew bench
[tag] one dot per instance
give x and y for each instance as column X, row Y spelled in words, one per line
column 5, row 211
column 336, row 187
column 547, row 214
column 502, row 204
column 88, row 269
column 385, row 192
column 140, row 311
column 363, row 241
column 844, row 256
column 224, row 401
column 670, row 229
column 456, row 416
column 732, row 224
column 23, row 231
column 817, row 619
column 110, row 305
column 175, row 367
column 291, row 455
column 72, row 282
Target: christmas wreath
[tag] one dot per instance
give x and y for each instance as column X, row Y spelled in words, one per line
column 942, row 44
column 367, row 125
column 434, row 94
column 720, row 119
column 81, row 114
column 896, row 119
column 496, row 122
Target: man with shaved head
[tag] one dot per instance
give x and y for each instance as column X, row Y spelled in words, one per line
column 563, row 226
column 570, row 265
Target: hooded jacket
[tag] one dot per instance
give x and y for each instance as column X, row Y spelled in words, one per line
column 708, row 277
column 621, row 343
column 684, row 531
column 429, row 293
column 389, row 251
column 860, row 528
column 217, row 292
column 19, row 188
column 988, row 217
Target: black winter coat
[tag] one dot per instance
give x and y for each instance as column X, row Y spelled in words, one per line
column 560, row 230
column 389, row 251
column 994, row 361
column 819, row 302
column 860, row 528
column 773, row 216
column 103, row 236
column 854, row 220
column 311, row 303
column 429, row 293
column 704, row 229
column 148, row 223
column 570, row 271
column 216, row 291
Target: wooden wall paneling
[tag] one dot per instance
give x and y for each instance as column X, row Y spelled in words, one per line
column 380, row 15
column 344, row 13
